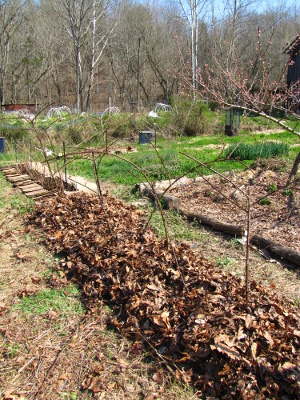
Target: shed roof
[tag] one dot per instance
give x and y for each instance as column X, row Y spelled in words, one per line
column 293, row 46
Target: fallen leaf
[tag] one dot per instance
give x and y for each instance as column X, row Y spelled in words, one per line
column 225, row 370
column 158, row 377
column 249, row 321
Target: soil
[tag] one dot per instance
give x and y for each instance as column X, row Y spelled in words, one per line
column 274, row 214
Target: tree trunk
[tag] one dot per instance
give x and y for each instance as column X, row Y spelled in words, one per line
column 294, row 169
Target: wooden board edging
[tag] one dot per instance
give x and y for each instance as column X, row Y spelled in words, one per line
column 278, row 250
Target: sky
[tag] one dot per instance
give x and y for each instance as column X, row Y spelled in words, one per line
column 261, row 6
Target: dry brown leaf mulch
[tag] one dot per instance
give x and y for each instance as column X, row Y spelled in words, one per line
column 191, row 313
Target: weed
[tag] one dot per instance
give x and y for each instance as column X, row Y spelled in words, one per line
column 265, row 201
column 235, row 242
column 109, row 353
column 3, row 281
column 69, row 396
column 287, row 192
column 223, row 261
column 47, row 274
column 178, row 228
column 272, row 188
column 10, row 350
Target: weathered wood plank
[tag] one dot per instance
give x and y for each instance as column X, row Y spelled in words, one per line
column 31, row 188
column 213, row 223
column 18, row 178
column 36, row 193
column 23, row 183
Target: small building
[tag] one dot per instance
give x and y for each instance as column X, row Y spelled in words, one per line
column 31, row 108
column 293, row 72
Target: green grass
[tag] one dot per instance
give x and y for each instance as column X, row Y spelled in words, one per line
column 66, row 301
column 249, row 151
column 178, row 228
column 175, row 163
column 16, row 201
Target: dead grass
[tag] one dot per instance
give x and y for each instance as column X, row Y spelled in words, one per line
column 229, row 255
column 51, row 354
column 75, row 356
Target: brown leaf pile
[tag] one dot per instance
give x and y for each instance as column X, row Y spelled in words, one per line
column 191, row 313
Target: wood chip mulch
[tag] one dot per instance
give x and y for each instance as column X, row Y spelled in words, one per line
column 273, row 216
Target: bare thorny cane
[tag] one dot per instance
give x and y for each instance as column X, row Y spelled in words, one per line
column 100, row 194
column 248, row 242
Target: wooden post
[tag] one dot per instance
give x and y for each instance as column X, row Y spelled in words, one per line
column 16, row 151
column 65, row 162
column 248, row 248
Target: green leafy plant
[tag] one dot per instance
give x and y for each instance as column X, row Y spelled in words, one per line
column 265, row 201
column 272, row 188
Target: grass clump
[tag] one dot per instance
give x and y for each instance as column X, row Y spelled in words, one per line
column 178, row 228
column 247, row 151
column 265, row 202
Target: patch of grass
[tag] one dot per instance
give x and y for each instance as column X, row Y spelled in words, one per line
column 10, row 350
column 16, row 202
column 66, row 301
column 21, row 203
column 119, row 171
column 178, row 228
column 247, row 151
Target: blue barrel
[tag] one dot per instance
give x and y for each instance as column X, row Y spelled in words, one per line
column 144, row 137
column 2, row 144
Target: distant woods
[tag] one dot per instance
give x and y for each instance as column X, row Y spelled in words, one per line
column 79, row 53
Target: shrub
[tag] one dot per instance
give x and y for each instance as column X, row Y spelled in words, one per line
column 82, row 130
column 188, row 116
column 213, row 105
column 75, row 134
column 265, row 202
column 128, row 125
column 259, row 150
column 14, row 129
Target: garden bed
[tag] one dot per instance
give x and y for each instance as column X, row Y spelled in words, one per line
column 274, row 214
column 174, row 302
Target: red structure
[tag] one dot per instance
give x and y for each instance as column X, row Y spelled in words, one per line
column 293, row 73
column 18, row 107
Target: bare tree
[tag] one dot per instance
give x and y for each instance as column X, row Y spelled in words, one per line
column 259, row 94
column 89, row 28
column 193, row 11
column 11, row 18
